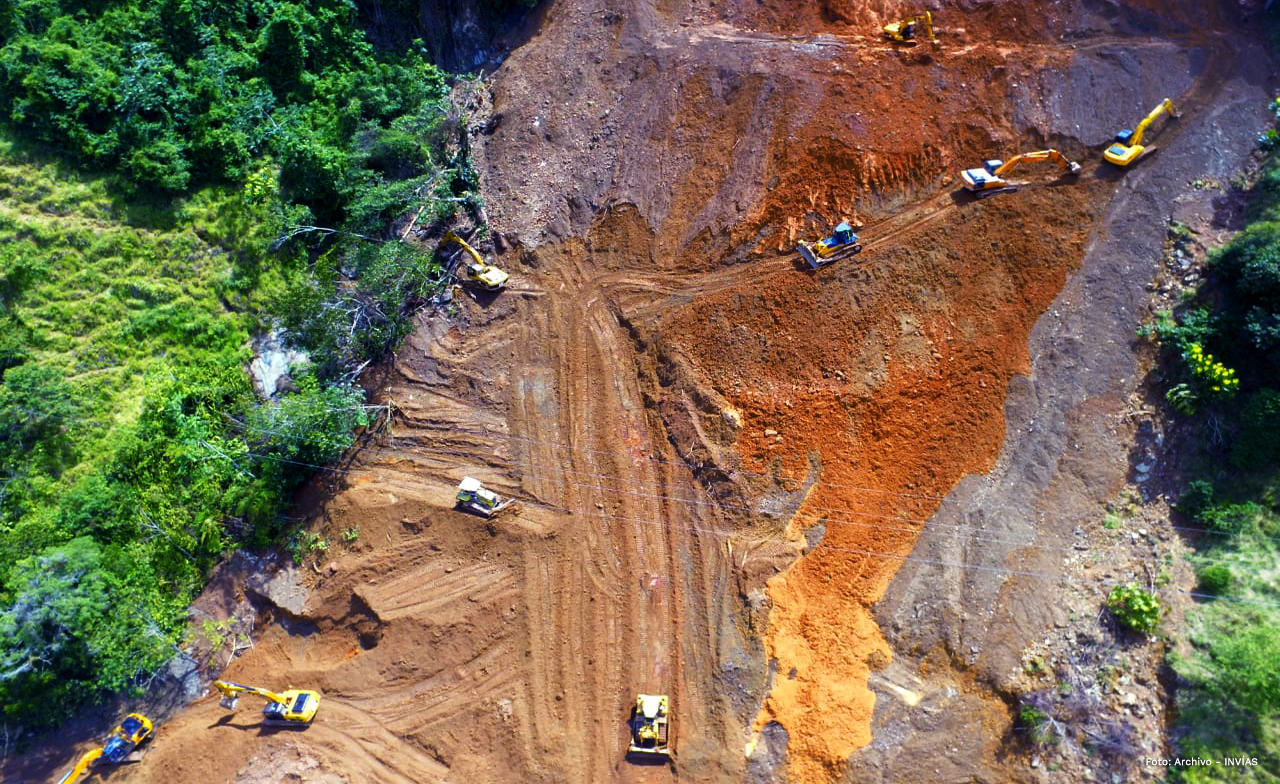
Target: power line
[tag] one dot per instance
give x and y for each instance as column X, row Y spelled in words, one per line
column 816, row 483
column 937, row 562
column 925, row 525
column 601, row 488
column 819, row 483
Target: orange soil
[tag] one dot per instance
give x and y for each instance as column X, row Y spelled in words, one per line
column 892, row 370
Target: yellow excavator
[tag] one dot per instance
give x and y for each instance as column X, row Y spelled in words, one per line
column 1128, row 144
column 477, row 271
column 650, row 730
column 912, row 29
column 291, row 708
column 127, row 736
column 989, row 179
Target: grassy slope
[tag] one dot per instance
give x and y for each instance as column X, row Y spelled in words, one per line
column 112, row 306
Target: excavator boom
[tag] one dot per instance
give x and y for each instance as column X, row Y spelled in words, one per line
column 83, row 765
column 990, row 178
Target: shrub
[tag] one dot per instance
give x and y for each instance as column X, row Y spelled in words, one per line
column 1214, row 378
column 1196, row 497
column 1230, row 519
column 1036, row 723
column 1215, row 579
column 1258, row 444
column 1134, row 608
column 1246, row 668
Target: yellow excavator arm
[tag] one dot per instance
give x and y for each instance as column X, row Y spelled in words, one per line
column 449, row 236
column 1164, row 106
column 231, row 694
column 1053, row 156
column 83, row 765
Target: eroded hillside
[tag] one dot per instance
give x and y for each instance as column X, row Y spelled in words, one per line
column 725, row 460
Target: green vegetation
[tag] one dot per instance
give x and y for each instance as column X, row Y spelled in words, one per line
column 1037, row 724
column 1230, row 706
column 1134, row 608
column 245, row 161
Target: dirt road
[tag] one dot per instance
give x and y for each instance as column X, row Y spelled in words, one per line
column 723, row 459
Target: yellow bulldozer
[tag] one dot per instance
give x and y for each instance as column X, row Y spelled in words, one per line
column 1127, row 146
column 292, row 708
column 475, row 497
column 912, row 30
column 650, row 728
column 990, row 180
column 128, row 735
column 841, row 244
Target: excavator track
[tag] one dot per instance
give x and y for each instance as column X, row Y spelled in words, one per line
column 994, row 191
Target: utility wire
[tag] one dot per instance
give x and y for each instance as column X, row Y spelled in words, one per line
column 723, row 534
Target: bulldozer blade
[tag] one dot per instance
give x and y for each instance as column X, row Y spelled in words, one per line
column 815, row 262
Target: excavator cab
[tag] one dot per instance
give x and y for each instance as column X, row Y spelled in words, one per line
column 486, row 276
column 130, row 734
column 299, row 708
column 980, row 177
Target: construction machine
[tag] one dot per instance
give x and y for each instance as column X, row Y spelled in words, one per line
column 291, row 708
column 990, row 178
column 912, row 29
column 476, row 497
column 1127, row 147
column 841, row 244
column 650, row 727
column 477, row 271
column 127, row 736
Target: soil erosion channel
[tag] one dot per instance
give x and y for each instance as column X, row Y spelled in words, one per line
column 722, row 458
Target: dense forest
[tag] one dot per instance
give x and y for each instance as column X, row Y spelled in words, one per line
column 179, row 178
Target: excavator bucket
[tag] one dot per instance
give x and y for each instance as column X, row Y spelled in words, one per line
column 230, row 703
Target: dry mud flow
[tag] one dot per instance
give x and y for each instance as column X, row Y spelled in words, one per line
column 822, row 511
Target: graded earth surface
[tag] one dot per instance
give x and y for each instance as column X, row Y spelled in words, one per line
column 826, row 512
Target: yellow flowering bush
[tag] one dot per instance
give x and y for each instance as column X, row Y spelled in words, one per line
column 1215, row 377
